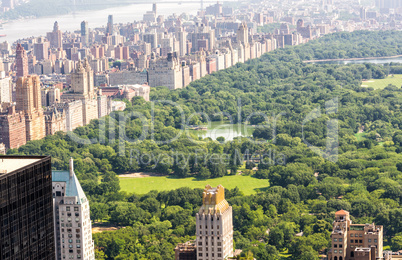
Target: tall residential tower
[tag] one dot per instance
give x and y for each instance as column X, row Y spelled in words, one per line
column 214, row 226
column 72, row 221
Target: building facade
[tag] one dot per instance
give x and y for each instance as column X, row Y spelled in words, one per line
column 73, row 229
column 355, row 241
column 214, row 226
column 26, row 208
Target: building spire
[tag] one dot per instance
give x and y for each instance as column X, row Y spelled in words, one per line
column 71, row 167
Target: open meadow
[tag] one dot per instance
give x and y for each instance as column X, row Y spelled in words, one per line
column 395, row 79
column 247, row 184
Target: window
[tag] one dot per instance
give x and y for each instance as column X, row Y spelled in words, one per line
column 360, row 241
column 340, row 245
column 340, row 251
column 219, row 244
column 200, row 249
column 68, row 208
column 78, row 241
column 360, row 235
column 375, row 240
column 200, row 243
column 369, row 240
column 335, row 245
column 351, row 235
column 340, row 240
column 335, row 240
column 75, row 208
column 199, row 254
column 217, row 227
column 219, row 255
column 219, row 249
column 335, row 251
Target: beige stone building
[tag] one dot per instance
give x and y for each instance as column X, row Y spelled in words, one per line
column 355, row 241
column 214, row 226
column 166, row 72
column 73, row 228
column 29, row 102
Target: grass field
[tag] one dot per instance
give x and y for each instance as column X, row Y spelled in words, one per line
column 247, row 184
column 360, row 136
column 395, row 79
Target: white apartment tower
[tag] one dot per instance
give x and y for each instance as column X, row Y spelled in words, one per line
column 73, row 231
column 214, row 226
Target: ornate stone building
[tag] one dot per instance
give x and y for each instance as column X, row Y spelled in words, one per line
column 12, row 128
column 214, row 226
column 166, row 72
column 82, row 90
column 355, row 241
column 29, row 102
column 72, row 221
column 55, row 120
column 21, row 61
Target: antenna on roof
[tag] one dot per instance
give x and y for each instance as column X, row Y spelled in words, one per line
column 71, row 167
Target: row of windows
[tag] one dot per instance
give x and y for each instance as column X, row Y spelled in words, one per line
column 206, row 243
column 213, row 255
column 212, row 232
column 68, row 208
column 336, row 251
column 336, row 239
column 213, row 249
column 212, row 227
column 356, row 235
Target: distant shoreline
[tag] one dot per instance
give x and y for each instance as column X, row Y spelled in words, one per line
column 351, row 59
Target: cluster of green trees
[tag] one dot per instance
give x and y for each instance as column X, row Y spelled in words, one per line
column 305, row 189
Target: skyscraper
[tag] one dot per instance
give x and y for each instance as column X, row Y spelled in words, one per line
column 214, row 226
column 55, row 37
column 242, row 34
column 21, row 61
column 72, row 219
column 29, row 102
column 109, row 28
column 84, row 32
column 26, row 208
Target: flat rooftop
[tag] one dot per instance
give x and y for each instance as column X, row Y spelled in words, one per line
column 9, row 164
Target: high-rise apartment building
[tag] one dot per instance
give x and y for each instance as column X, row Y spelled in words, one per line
column 5, row 88
column 41, row 50
column 73, row 230
column 29, row 102
column 355, row 241
column 84, row 33
column 26, row 208
column 214, row 226
column 21, row 61
column 109, row 28
column 55, row 37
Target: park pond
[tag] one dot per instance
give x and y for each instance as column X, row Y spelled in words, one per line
column 225, row 130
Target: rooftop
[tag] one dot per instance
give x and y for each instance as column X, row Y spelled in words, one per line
column 10, row 164
column 73, row 187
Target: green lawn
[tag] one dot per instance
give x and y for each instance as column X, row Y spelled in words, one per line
column 247, row 184
column 395, row 79
column 360, row 136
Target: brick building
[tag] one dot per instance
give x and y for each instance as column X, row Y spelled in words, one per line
column 355, row 241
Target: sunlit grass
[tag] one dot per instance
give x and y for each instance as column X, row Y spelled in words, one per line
column 247, row 184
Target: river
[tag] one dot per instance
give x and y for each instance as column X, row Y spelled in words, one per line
column 123, row 14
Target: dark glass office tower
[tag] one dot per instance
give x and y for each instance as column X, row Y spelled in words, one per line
column 26, row 208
